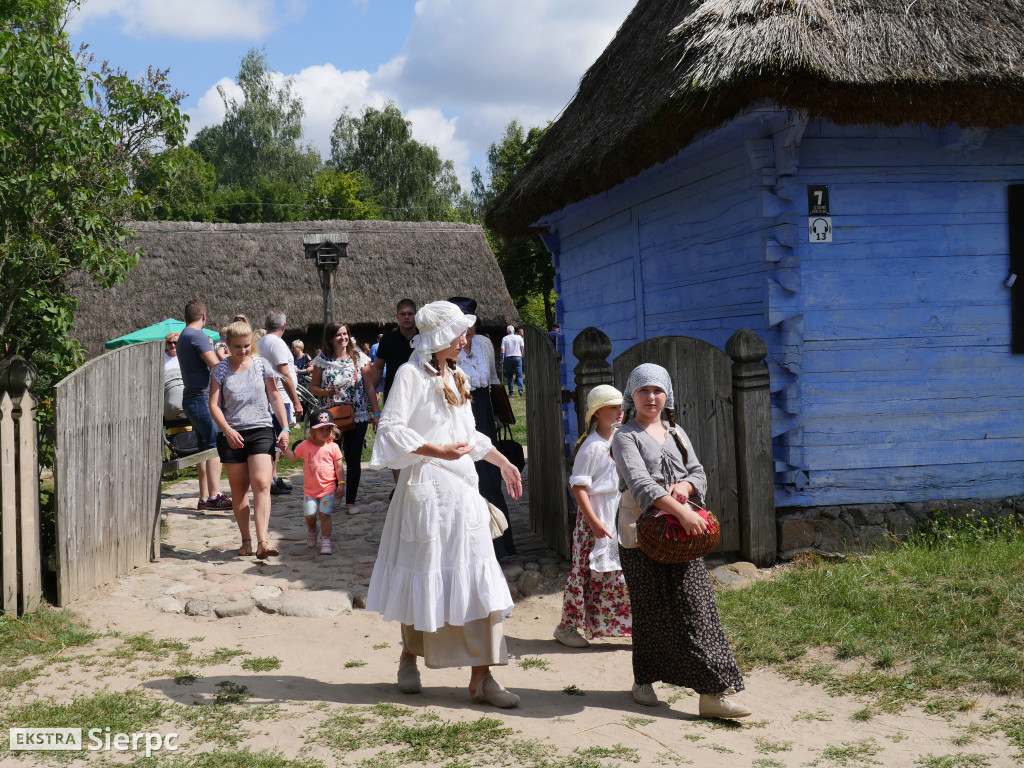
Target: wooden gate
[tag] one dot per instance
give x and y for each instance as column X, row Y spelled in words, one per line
column 702, row 384
column 107, row 468
column 545, row 439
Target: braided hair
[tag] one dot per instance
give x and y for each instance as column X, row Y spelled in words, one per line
column 461, row 382
column 586, row 433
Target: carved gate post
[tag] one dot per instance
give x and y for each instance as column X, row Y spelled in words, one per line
column 752, row 413
column 592, row 348
column 752, row 410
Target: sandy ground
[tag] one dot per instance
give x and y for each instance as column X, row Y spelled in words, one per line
column 793, row 724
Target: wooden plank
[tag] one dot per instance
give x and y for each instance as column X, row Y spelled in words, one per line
column 187, row 461
column 549, row 516
column 8, row 510
column 28, row 485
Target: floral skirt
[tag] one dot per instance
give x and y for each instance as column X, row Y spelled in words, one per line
column 677, row 633
column 595, row 604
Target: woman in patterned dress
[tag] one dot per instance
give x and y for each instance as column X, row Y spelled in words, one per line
column 339, row 374
column 677, row 634
column 596, row 602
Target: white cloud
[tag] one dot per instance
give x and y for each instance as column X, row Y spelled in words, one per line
column 189, row 19
column 489, row 61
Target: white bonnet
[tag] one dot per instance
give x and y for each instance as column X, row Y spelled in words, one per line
column 439, row 324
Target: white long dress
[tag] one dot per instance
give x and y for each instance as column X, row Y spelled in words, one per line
column 436, row 564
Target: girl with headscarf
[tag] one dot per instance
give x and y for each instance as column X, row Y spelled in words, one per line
column 436, row 572
column 677, row 634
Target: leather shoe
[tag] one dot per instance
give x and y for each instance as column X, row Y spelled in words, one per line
column 717, row 705
column 408, row 675
column 491, row 691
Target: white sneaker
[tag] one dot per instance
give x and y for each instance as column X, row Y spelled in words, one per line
column 568, row 636
column 353, row 510
column 644, row 694
column 325, row 546
column 717, row 705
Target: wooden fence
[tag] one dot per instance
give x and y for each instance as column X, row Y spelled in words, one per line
column 21, row 584
column 107, row 468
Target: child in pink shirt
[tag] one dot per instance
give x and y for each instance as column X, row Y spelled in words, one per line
column 323, row 475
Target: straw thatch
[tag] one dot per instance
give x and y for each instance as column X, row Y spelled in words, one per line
column 251, row 268
column 677, row 68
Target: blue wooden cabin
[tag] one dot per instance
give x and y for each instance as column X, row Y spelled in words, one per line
column 838, row 177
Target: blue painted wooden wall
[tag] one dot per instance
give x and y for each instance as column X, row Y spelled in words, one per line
column 892, row 376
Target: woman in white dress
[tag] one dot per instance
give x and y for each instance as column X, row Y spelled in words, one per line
column 436, row 572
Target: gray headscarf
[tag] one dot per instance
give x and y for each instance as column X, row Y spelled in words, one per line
column 646, row 375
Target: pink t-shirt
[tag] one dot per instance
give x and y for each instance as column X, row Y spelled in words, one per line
column 319, row 477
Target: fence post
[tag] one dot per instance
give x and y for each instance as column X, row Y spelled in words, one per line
column 8, row 511
column 752, row 413
column 28, row 487
column 592, row 348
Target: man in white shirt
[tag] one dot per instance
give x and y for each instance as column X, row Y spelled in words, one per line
column 512, row 358
column 272, row 347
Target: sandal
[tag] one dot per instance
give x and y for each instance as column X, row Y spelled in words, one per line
column 264, row 550
column 246, row 549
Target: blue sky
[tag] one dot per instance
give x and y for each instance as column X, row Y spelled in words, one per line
column 458, row 69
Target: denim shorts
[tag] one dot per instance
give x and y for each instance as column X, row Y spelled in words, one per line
column 197, row 411
column 323, row 505
column 259, row 440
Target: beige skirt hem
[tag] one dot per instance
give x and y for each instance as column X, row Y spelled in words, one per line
column 476, row 644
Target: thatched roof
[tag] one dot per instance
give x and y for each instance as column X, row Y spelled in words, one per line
column 251, row 268
column 677, row 68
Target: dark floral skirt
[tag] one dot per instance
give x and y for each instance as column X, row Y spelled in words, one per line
column 677, row 633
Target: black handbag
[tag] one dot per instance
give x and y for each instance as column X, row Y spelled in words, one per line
column 510, row 449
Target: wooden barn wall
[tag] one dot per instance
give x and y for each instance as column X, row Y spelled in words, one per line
column 673, row 251
column 892, row 376
column 903, row 382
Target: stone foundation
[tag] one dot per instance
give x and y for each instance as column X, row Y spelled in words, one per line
column 835, row 530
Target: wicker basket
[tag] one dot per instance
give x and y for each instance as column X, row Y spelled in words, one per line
column 663, row 539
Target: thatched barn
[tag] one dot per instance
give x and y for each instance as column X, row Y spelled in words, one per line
column 841, row 178
column 251, row 268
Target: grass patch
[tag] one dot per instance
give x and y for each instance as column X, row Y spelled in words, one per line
column 380, row 646
column 636, row 721
column 939, row 612
column 849, row 754
column 767, row 762
column 184, row 677
column 261, row 663
column 767, row 746
column 127, row 712
column 43, row 633
column 808, row 716
column 534, row 662
column 959, row 760
column 218, row 656
column 573, row 690
column 355, row 663
column 403, row 735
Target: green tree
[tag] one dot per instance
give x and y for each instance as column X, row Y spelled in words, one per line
column 65, row 182
column 188, row 190
column 409, row 180
column 337, row 195
column 524, row 261
column 263, row 170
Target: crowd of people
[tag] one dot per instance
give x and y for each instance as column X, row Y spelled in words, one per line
column 437, row 571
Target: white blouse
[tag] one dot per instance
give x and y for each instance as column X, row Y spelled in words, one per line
column 479, row 365
column 594, row 470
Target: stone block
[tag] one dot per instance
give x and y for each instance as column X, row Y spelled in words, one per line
column 834, row 536
column 795, row 534
column 900, row 524
column 866, row 514
column 270, row 604
column 230, row 610
column 165, row 605
column 318, row 604
column 724, row 577
column 198, row 608
column 263, row 592
column 550, row 570
column 873, row 537
column 512, row 572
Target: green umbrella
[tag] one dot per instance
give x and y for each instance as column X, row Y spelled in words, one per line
column 155, row 332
